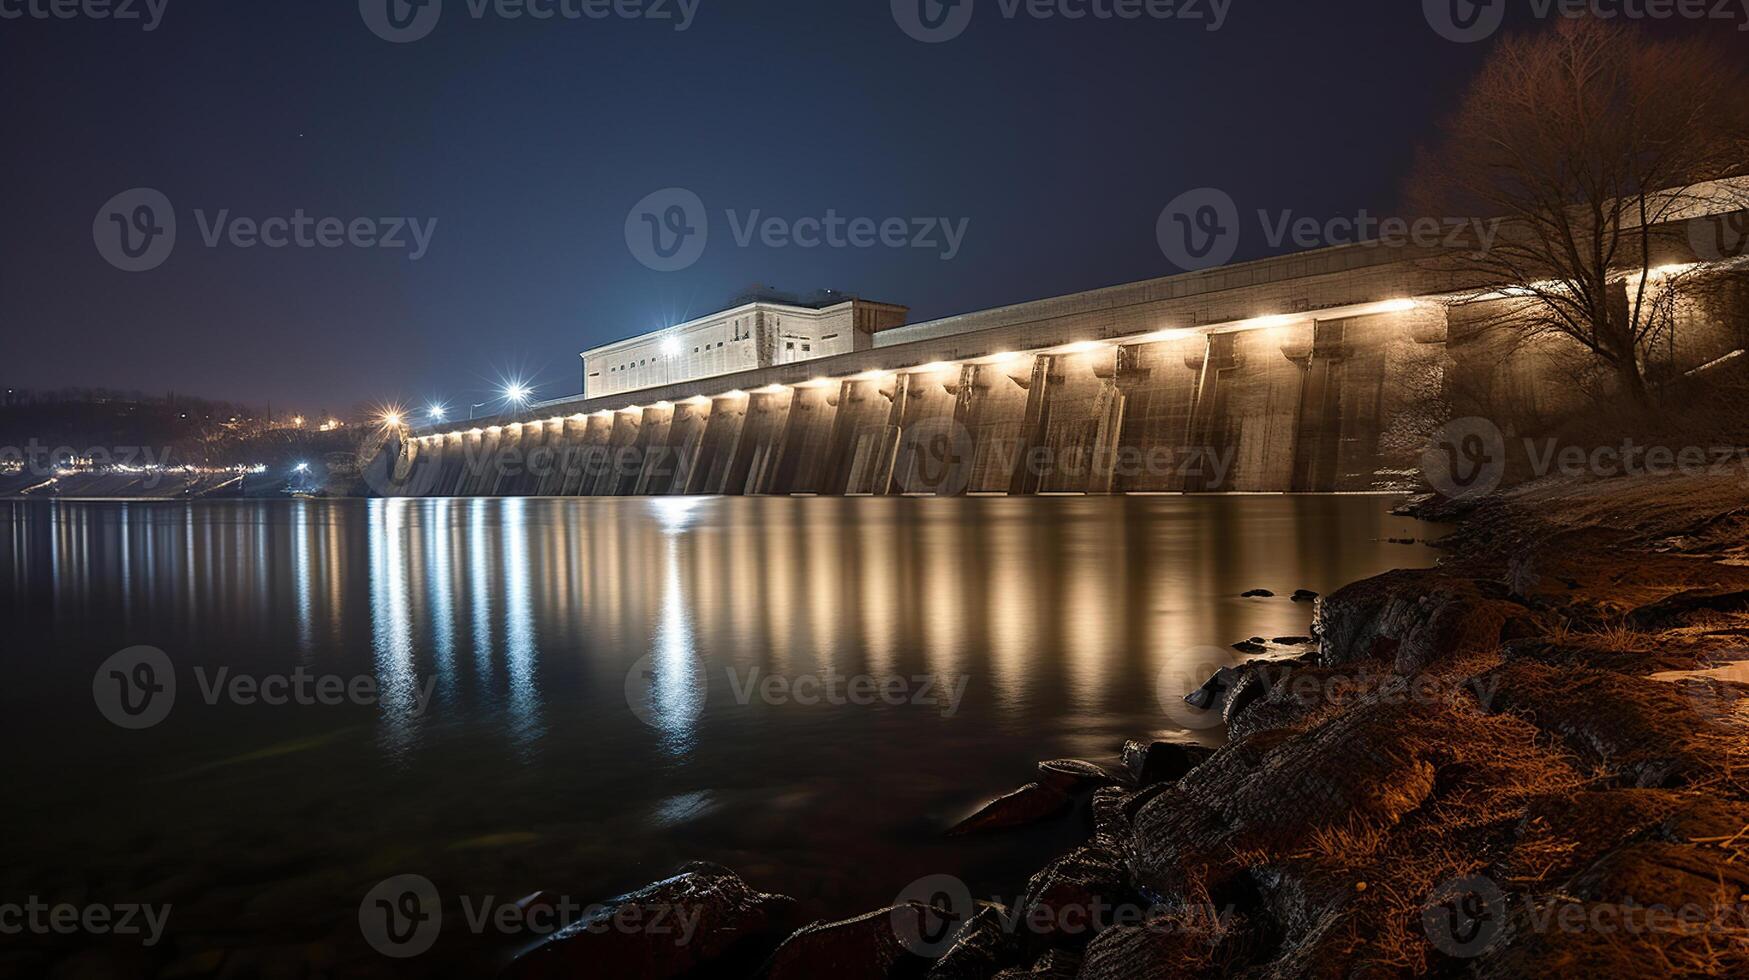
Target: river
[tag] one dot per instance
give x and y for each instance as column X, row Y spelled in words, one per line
column 578, row 695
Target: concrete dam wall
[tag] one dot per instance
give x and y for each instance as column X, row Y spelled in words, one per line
column 1337, row 403
column 1317, row 372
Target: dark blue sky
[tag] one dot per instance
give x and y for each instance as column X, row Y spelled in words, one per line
column 529, row 141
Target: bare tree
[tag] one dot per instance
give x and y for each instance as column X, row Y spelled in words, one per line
column 1592, row 141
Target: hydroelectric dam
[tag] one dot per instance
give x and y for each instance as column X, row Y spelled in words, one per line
column 1316, row 372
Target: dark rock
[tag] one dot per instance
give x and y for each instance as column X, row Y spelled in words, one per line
column 1250, row 646
column 1415, row 618
column 868, row 947
column 985, row 944
column 1648, row 661
column 1253, row 684
column 1647, row 733
column 1369, row 765
column 733, row 924
column 1683, row 607
column 1292, row 641
column 1143, row 952
column 1258, row 594
column 1057, row 964
column 1304, row 595
column 1161, row 762
column 1073, row 775
column 1111, row 824
column 1061, row 900
column 1213, row 692
column 1026, row 805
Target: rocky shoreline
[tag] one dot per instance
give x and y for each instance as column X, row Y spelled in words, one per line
column 1524, row 762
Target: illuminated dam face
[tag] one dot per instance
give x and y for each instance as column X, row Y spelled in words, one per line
column 1325, row 371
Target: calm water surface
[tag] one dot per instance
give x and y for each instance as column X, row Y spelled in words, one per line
column 587, row 663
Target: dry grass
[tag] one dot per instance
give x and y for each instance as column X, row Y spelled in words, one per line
column 1611, row 638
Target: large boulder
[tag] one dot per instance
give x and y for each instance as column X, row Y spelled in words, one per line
column 985, row 944
column 1147, row 762
column 1372, row 765
column 1027, row 805
column 876, row 946
column 1073, row 775
column 1072, row 899
column 1417, row 618
column 704, row 916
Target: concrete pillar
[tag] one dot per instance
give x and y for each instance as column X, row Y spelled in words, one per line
column 805, row 444
column 483, row 464
column 928, row 443
column 654, row 460
column 508, row 466
column 621, row 455
column 994, row 415
column 1248, row 408
column 1025, row 478
column 589, row 459
column 859, row 430
column 684, row 447
column 722, row 440
column 1159, row 381
column 756, row 455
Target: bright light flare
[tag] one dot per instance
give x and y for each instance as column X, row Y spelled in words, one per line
column 517, row 393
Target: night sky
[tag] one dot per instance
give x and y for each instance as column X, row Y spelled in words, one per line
column 530, row 141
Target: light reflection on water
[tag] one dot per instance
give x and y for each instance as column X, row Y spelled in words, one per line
column 524, row 618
